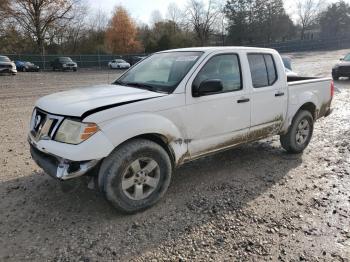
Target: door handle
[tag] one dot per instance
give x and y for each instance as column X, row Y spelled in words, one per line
column 279, row 94
column 243, row 100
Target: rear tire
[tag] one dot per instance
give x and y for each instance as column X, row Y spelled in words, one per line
column 299, row 133
column 335, row 77
column 136, row 175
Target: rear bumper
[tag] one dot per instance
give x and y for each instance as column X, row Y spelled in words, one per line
column 60, row 168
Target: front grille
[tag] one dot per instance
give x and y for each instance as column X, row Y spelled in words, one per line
column 44, row 125
column 5, row 66
column 344, row 70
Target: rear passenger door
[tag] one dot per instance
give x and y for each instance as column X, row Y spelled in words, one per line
column 267, row 95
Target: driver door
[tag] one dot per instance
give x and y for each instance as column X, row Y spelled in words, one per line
column 220, row 120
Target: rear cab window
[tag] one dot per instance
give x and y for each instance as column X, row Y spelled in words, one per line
column 263, row 70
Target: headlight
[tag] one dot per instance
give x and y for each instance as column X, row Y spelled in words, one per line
column 74, row 132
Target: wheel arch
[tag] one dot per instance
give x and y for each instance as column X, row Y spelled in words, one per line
column 309, row 106
column 161, row 140
column 156, row 128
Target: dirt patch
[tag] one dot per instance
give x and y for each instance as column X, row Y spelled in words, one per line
column 251, row 203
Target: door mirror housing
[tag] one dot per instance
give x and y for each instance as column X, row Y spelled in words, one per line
column 207, row 87
column 341, row 59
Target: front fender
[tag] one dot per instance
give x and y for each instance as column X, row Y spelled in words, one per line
column 124, row 128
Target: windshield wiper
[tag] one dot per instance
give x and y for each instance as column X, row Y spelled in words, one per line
column 140, row 85
column 117, row 82
column 143, row 86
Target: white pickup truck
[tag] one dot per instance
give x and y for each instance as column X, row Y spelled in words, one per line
column 173, row 107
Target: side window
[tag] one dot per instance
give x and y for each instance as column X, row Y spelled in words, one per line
column 225, row 67
column 271, row 69
column 262, row 69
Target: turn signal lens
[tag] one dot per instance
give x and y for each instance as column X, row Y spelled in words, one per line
column 88, row 131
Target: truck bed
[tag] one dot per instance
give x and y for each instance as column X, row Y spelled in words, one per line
column 296, row 79
column 315, row 90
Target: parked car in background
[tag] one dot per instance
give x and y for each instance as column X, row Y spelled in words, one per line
column 130, row 135
column 290, row 73
column 26, row 66
column 64, row 63
column 136, row 59
column 287, row 62
column 118, row 64
column 7, row 66
column 342, row 69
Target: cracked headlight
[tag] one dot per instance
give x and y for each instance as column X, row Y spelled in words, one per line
column 74, row 132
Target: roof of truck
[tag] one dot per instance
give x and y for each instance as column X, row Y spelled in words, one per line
column 219, row 48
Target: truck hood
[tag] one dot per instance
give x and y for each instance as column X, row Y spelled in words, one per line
column 82, row 101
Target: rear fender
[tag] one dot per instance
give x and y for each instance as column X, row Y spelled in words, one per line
column 296, row 102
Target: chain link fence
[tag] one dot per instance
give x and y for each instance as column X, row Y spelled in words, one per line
column 101, row 61
column 308, row 45
column 83, row 61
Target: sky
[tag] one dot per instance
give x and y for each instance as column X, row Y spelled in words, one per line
column 141, row 10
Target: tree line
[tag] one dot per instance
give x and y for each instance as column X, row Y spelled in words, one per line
column 70, row 26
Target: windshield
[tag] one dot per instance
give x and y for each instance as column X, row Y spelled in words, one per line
column 119, row 61
column 4, row 59
column 65, row 59
column 347, row 57
column 161, row 72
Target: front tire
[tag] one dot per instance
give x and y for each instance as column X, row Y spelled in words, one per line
column 299, row 133
column 136, row 175
column 335, row 77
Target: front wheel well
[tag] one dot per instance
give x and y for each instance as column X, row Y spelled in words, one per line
column 160, row 140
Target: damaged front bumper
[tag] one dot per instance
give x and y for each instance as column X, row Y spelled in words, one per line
column 60, row 168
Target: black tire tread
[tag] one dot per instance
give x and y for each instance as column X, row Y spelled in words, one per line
column 114, row 160
column 287, row 140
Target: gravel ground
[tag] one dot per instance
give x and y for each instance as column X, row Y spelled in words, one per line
column 252, row 203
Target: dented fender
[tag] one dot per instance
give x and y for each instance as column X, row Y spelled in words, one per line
column 124, row 128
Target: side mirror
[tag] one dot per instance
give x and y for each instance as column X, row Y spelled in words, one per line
column 341, row 59
column 207, row 87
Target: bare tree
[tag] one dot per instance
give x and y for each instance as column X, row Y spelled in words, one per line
column 156, row 17
column 37, row 16
column 202, row 18
column 99, row 21
column 308, row 13
column 4, row 4
column 176, row 15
